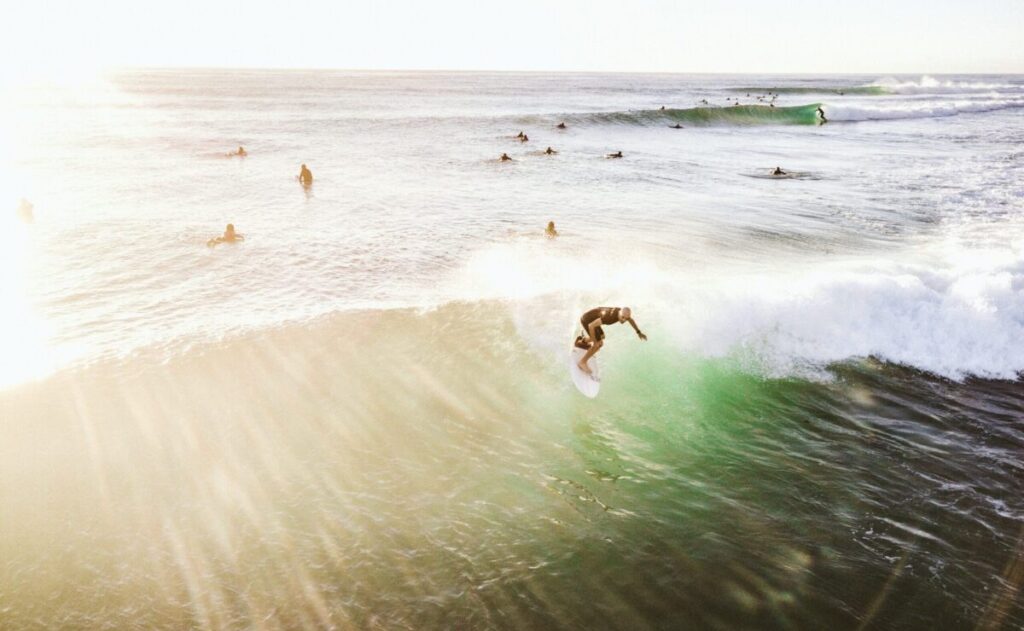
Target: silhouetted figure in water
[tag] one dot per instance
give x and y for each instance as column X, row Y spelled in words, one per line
column 821, row 113
column 524, row 138
column 229, row 236
column 560, row 125
column 617, row 154
column 504, row 158
column 592, row 337
column 550, row 231
column 663, row 107
column 677, row 126
column 779, row 171
column 520, row 135
column 240, row 153
column 550, row 151
column 306, row 177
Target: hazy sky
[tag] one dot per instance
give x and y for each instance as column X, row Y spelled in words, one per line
column 798, row 36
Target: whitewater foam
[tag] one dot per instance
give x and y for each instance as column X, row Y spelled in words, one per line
column 931, row 85
column 837, row 112
column 959, row 314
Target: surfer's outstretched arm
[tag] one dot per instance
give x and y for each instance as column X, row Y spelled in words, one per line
column 632, row 323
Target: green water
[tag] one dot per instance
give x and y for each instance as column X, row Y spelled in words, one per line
column 338, row 475
column 748, row 114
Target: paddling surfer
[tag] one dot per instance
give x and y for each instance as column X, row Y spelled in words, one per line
column 592, row 337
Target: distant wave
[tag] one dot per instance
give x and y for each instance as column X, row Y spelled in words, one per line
column 795, row 115
column 732, row 115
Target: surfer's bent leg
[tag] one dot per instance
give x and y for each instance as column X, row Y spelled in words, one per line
column 595, row 346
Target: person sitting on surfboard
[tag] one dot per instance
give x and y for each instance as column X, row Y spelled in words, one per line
column 550, row 230
column 592, row 337
column 779, row 171
column 306, row 176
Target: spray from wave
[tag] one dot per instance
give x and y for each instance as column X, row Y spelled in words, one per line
column 957, row 315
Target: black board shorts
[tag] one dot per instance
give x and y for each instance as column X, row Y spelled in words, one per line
column 598, row 332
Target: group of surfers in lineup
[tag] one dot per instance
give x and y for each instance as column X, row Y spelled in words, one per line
column 521, row 137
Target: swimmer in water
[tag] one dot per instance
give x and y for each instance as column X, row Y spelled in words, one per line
column 229, row 236
column 560, row 125
column 520, row 135
column 306, row 177
column 821, row 113
column 549, row 151
column 524, row 138
column 550, row 231
column 505, row 158
column 676, row 126
column 240, row 153
column 779, row 171
column 617, row 154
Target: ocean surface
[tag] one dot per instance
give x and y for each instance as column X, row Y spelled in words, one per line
column 361, row 415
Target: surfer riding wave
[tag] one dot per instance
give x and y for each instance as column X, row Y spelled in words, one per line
column 592, row 337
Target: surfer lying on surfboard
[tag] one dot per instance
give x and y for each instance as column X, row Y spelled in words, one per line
column 592, row 337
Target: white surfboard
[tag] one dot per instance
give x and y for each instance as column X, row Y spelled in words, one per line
column 586, row 384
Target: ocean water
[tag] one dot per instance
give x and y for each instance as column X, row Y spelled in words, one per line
column 361, row 417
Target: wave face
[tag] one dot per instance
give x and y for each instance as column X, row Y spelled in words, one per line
column 372, row 468
column 731, row 115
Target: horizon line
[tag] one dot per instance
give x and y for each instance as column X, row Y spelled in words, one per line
column 534, row 71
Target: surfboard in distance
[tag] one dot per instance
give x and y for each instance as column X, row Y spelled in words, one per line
column 587, row 385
